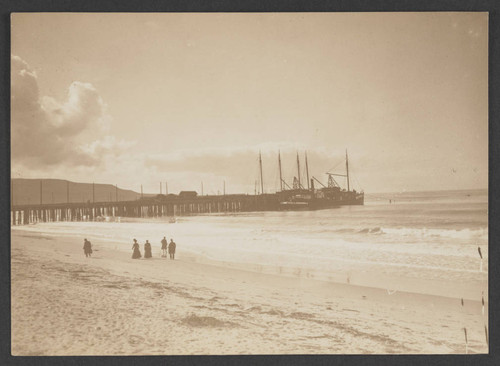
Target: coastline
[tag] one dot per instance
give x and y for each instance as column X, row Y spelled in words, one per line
column 110, row 304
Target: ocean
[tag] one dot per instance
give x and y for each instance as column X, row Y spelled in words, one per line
column 418, row 241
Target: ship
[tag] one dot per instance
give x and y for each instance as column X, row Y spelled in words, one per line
column 298, row 197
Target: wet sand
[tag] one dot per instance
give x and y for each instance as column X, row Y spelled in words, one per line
column 110, row 304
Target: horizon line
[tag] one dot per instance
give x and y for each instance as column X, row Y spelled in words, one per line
column 370, row 193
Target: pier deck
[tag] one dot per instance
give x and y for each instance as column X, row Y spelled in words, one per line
column 147, row 207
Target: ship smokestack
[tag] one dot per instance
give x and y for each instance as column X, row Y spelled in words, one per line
column 312, row 185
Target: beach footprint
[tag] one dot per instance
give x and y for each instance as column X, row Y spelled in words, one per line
column 135, row 340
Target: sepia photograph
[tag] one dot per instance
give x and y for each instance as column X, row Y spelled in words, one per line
column 308, row 183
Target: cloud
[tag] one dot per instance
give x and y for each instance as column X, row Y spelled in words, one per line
column 83, row 108
column 46, row 133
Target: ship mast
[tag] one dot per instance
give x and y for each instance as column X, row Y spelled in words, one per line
column 307, row 172
column 279, row 162
column 347, row 169
column 298, row 169
column 261, row 179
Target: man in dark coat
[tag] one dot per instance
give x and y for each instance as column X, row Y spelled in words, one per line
column 171, row 249
column 87, row 248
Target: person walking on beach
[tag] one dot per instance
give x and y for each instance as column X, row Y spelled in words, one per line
column 87, row 248
column 147, row 250
column 137, row 253
column 164, row 247
column 171, row 249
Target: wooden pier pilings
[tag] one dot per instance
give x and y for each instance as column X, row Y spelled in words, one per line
column 29, row 214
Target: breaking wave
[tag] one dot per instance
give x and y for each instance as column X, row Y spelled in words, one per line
column 481, row 233
column 467, row 233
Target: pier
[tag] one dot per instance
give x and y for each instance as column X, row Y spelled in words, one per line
column 146, row 207
column 100, row 205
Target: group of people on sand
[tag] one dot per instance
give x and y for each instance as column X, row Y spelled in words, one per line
column 136, row 254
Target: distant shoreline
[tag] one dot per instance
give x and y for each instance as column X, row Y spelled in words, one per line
column 112, row 186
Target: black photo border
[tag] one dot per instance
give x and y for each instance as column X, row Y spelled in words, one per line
column 492, row 7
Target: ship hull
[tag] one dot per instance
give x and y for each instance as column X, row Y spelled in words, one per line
column 302, row 201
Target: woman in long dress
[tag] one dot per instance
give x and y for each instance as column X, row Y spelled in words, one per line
column 147, row 250
column 137, row 253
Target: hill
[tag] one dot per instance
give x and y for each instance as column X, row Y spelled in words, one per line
column 27, row 191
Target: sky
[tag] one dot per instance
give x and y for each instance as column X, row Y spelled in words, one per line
column 186, row 98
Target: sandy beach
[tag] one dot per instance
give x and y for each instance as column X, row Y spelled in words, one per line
column 66, row 304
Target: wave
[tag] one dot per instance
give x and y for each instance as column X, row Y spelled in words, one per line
column 467, row 233
column 481, row 233
column 375, row 230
